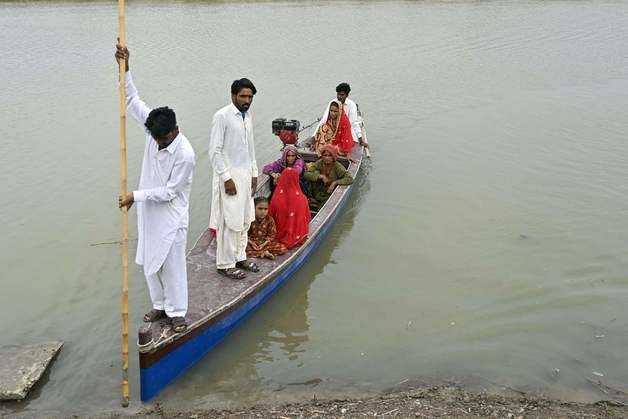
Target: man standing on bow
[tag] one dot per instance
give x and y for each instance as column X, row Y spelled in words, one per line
column 232, row 156
column 162, row 200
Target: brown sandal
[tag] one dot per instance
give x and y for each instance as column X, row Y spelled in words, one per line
column 178, row 324
column 154, row 315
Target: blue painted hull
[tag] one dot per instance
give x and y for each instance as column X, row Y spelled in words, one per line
column 156, row 377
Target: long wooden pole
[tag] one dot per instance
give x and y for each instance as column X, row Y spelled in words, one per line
column 125, row 216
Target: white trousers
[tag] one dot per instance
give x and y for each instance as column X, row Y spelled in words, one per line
column 168, row 287
column 230, row 246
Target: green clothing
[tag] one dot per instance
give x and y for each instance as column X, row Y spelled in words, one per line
column 318, row 190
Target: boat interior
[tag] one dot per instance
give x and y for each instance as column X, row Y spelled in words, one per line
column 210, row 294
column 263, row 186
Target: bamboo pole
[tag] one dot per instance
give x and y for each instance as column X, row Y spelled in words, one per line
column 125, row 216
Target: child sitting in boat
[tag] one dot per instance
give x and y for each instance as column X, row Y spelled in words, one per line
column 262, row 233
column 324, row 176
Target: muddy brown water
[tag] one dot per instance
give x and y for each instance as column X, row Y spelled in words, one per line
column 486, row 241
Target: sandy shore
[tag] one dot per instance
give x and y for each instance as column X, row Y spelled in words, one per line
column 427, row 402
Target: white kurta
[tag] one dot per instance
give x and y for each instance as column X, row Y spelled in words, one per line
column 232, row 156
column 164, row 191
column 351, row 109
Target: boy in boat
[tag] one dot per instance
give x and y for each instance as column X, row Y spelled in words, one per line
column 263, row 233
column 162, row 205
column 232, row 156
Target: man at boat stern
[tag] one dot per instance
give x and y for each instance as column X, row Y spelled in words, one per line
column 162, row 200
column 232, row 156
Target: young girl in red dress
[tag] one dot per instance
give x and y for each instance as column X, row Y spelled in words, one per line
column 262, row 234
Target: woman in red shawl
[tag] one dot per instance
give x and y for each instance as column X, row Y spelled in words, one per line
column 336, row 130
column 290, row 210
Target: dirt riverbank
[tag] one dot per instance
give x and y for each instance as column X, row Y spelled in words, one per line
column 429, row 402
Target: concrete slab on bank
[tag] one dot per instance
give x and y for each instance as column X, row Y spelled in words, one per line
column 21, row 366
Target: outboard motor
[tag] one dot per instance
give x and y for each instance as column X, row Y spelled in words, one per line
column 287, row 130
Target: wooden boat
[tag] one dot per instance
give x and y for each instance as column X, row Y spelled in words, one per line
column 217, row 305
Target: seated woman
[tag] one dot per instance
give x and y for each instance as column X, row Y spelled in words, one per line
column 289, row 208
column 262, row 234
column 324, row 176
column 336, row 131
column 289, row 158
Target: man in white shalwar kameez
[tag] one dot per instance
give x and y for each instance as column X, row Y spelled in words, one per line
column 162, row 206
column 232, row 156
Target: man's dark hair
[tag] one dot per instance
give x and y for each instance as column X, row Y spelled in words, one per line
column 238, row 85
column 161, row 121
column 343, row 87
column 259, row 200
